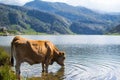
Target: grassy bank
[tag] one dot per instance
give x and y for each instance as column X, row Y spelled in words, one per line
column 5, row 69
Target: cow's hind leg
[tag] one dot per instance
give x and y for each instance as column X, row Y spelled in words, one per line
column 17, row 67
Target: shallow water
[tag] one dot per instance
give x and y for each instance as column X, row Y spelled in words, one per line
column 87, row 58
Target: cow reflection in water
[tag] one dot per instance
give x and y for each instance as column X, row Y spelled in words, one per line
column 59, row 75
column 34, row 52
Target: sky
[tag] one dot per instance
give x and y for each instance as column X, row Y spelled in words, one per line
column 98, row 5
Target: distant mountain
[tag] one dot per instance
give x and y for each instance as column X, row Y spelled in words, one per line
column 83, row 20
column 115, row 30
column 29, row 20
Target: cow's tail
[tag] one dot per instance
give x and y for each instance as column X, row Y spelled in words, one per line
column 12, row 58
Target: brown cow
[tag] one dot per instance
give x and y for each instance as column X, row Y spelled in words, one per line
column 33, row 52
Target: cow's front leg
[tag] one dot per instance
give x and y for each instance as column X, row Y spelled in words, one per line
column 46, row 67
column 43, row 67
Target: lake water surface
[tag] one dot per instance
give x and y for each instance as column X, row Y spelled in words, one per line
column 88, row 57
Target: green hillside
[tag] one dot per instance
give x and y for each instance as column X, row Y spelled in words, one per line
column 26, row 21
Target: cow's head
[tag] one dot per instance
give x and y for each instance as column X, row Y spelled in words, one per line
column 61, row 58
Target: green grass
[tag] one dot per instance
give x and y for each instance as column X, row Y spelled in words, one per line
column 6, row 73
column 5, row 69
column 1, row 33
column 4, row 57
column 46, row 77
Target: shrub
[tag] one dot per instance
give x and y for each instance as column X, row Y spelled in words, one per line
column 4, row 57
column 5, row 69
column 6, row 73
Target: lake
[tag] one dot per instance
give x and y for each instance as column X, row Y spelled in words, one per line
column 88, row 57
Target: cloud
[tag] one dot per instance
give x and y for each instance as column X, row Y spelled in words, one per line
column 102, row 5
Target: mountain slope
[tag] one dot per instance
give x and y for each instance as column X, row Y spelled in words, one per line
column 29, row 20
column 68, row 11
column 115, row 30
column 94, row 23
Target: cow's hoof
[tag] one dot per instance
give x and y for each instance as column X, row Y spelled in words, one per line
column 43, row 71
